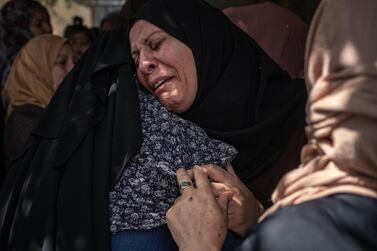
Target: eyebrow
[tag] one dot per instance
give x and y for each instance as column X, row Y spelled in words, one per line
column 146, row 40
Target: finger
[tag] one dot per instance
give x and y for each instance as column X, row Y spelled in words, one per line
column 219, row 188
column 177, row 200
column 230, row 169
column 216, row 173
column 223, row 201
column 201, row 179
column 190, row 173
column 184, row 180
column 170, row 215
column 182, row 175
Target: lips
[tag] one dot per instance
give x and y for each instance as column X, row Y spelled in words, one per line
column 158, row 83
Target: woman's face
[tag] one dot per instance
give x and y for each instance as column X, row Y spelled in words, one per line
column 63, row 64
column 40, row 23
column 164, row 66
column 80, row 43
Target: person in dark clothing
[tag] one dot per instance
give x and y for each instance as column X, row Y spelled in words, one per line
column 204, row 68
column 73, row 157
column 110, row 21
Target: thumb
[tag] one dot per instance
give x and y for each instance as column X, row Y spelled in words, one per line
column 230, row 169
column 223, row 201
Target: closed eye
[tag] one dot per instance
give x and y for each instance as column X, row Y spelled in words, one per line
column 155, row 45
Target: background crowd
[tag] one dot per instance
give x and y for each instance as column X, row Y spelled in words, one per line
column 20, row 21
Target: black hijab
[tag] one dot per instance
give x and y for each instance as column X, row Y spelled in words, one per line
column 55, row 196
column 244, row 98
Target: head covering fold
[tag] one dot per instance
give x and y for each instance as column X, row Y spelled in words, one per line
column 341, row 73
column 30, row 81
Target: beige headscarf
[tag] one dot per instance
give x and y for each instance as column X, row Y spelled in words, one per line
column 341, row 74
column 30, row 78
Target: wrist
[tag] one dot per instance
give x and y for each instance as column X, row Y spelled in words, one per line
column 256, row 210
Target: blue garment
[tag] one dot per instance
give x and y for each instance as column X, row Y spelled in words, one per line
column 156, row 239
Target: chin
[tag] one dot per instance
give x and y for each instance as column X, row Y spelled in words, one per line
column 175, row 109
column 170, row 105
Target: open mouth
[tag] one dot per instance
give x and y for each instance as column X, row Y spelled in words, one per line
column 160, row 83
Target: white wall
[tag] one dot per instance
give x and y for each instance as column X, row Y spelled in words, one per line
column 61, row 14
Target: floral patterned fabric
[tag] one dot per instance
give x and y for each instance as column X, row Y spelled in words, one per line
column 147, row 186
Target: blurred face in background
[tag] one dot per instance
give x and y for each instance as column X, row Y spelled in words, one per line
column 40, row 23
column 106, row 26
column 80, row 43
column 63, row 64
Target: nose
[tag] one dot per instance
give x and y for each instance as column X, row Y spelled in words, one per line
column 147, row 64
